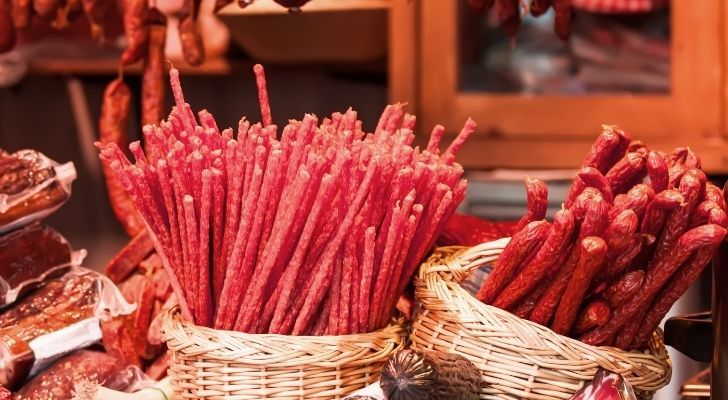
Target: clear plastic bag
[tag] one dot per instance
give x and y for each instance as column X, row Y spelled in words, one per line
column 58, row 381
column 32, row 186
column 61, row 316
column 31, row 255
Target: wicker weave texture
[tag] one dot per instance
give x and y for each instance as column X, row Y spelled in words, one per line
column 212, row 364
column 517, row 358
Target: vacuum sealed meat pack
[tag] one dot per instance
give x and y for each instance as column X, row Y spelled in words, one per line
column 57, row 318
column 29, row 256
column 32, row 186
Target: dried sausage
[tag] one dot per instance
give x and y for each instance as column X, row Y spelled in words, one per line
column 591, row 208
column 545, row 259
column 623, row 260
column 664, row 267
column 593, row 178
column 692, row 187
column 626, row 173
column 657, row 171
column 153, row 91
column 675, row 288
column 604, row 152
column 595, row 314
column 715, row 194
column 657, row 209
column 622, row 290
column 537, row 202
column 135, row 30
column 189, row 35
column 522, row 245
column 113, row 126
column 678, row 156
column 592, row 253
column 636, row 199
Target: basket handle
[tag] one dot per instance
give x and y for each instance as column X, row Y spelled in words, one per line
column 461, row 263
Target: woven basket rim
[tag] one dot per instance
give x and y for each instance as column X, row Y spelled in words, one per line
column 275, row 350
column 449, row 303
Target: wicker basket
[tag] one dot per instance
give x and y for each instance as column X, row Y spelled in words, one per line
column 215, row 365
column 517, row 358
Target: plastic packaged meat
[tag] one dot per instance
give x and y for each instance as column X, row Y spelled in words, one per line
column 57, row 382
column 420, row 374
column 606, row 385
column 32, row 186
column 30, row 255
column 61, row 316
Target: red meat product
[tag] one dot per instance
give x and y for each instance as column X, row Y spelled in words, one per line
column 626, row 173
column 126, row 260
column 68, row 308
column 660, row 272
column 604, row 152
column 595, row 314
column 657, row 209
column 592, row 210
column 593, row 178
column 135, row 30
column 675, row 288
column 153, row 90
column 591, row 258
column 692, row 187
column 657, row 170
column 31, row 187
column 520, row 248
column 198, row 186
column 96, row 11
column 191, row 40
column 606, row 385
column 715, row 194
column 537, row 202
column 119, row 342
column 28, row 256
column 57, row 382
column 544, row 261
column 113, row 125
column 21, row 13
column 622, row 290
column 677, row 157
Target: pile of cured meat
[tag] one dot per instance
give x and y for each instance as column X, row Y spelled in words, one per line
column 636, row 229
column 316, row 230
column 136, row 338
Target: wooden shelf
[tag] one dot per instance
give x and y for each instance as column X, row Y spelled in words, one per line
column 110, row 66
